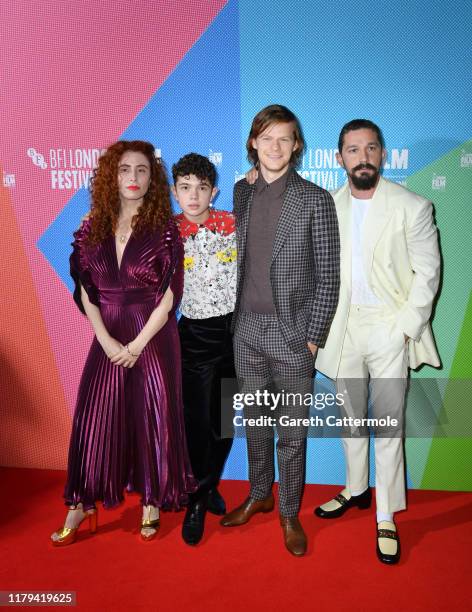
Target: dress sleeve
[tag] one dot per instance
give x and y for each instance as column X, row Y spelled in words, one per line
column 171, row 257
column 79, row 261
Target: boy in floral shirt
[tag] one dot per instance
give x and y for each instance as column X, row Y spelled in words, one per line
column 204, row 328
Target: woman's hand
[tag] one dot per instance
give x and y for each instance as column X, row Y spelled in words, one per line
column 110, row 346
column 124, row 358
column 128, row 355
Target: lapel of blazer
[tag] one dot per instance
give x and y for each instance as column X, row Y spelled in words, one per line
column 374, row 224
column 293, row 201
column 343, row 203
column 247, row 197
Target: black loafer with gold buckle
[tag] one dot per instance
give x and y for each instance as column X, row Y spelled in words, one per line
column 390, row 534
column 361, row 501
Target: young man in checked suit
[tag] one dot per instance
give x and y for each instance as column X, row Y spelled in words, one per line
column 287, row 293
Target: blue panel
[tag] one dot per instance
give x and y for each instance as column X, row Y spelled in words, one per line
column 236, row 467
column 404, row 65
column 196, row 109
column 56, row 240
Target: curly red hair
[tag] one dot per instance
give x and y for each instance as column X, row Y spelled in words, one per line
column 155, row 210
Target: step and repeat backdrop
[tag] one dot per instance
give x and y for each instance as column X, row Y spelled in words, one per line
column 189, row 75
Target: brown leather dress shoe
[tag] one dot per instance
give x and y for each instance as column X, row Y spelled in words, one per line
column 242, row 514
column 294, row 536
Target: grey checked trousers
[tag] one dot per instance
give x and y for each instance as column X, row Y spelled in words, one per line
column 264, row 362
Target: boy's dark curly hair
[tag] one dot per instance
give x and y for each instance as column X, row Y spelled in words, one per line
column 195, row 164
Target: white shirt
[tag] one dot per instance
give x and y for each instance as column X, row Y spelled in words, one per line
column 361, row 294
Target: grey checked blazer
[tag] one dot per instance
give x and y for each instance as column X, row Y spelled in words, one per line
column 304, row 272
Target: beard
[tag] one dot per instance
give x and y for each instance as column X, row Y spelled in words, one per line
column 364, row 182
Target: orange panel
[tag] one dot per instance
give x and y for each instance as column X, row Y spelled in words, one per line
column 35, row 420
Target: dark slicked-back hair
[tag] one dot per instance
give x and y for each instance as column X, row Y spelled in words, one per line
column 360, row 124
column 195, row 164
column 275, row 113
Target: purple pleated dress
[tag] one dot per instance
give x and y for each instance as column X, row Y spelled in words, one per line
column 128, row 430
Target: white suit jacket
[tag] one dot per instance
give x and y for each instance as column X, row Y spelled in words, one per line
column 402, row 264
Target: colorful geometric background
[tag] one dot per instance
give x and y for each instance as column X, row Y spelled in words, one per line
column 189, row 76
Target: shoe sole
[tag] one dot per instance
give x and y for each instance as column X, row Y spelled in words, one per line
column 393, row 560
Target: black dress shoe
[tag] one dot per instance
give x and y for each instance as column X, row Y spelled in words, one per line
column 216, row 504
column 362, row 502
column 391, row 534
column 194, row 522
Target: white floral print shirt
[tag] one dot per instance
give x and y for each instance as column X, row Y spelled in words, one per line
column 210, row 265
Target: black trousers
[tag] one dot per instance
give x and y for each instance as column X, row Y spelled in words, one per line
column 207, row 357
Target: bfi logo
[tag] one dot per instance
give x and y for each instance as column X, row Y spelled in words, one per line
column 37, row 158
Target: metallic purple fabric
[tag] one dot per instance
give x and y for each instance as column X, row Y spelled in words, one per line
column 128, row 429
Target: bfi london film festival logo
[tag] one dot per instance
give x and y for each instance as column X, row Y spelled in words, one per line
column 321, row 167
column 9, row 180
column 216, row 158
column 438, row 182
column 68, row 168
column 466, row 159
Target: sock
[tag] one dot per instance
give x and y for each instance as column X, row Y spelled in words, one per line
column 356, row 493
column 384, row 516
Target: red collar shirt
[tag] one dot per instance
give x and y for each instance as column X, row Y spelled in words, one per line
column 209, row 264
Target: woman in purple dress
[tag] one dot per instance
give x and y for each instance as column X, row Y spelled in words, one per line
column 128, row 430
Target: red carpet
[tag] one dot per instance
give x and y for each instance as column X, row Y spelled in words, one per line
column 244, row 568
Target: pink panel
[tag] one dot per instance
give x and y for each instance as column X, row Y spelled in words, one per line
column 76, row 74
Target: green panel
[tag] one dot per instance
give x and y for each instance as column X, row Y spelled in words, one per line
column 417, row 451
column 449, row 466
column 448, row 184
column 450, row 460
column 454, row 220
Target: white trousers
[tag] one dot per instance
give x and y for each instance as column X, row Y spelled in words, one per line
column 373, row 371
